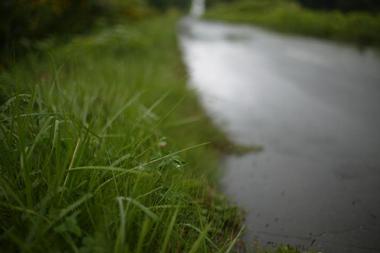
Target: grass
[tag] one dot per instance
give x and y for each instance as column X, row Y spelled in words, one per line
column 287, row 16
column 104, row 149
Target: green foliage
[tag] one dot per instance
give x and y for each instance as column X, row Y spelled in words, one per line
column 103, row 149
column 23, row 22
column 164, row 4
column 287, row 16
column 345, row 5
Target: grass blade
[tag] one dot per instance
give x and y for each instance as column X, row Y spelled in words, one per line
column 232, row 244
column 200, row 239
column 169, row 232
column 143, row 208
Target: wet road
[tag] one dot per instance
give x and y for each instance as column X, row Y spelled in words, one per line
column 315, row 108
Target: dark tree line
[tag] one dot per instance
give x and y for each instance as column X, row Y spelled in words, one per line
column 38, row 17
column 24, row 21
column 164, row 4
column 344, row 5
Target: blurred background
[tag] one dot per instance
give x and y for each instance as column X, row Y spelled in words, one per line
column 312, row 104
column 25, row 21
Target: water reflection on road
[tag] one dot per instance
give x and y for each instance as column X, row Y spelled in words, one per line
column 315, row 107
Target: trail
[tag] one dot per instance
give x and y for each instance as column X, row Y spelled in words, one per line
column 315, row 108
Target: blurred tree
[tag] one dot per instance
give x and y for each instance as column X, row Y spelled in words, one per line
column 23, row 21
column 344, row 5
column 164, row 4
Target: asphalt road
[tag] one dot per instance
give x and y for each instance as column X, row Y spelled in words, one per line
column 315, row 108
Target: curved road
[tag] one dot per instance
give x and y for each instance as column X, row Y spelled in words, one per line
column 315, row 108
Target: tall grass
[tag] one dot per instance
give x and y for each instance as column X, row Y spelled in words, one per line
column 287, row 16
column 103, row 149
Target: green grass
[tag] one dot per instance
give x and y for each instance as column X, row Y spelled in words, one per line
column 104, row 149
column 287, row 16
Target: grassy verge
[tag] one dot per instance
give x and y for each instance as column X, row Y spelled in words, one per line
column 103, row 149
column 287, row 16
